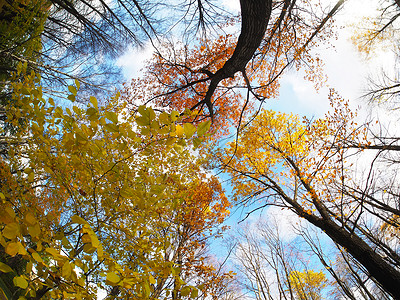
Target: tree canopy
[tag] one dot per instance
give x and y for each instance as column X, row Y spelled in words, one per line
column 118, row 194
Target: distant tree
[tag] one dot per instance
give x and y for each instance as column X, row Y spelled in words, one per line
column 308, row 284
column 270, row 267
column 381, row 32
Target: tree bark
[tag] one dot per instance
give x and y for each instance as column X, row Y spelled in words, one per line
column 383, row 272
column 255, row 17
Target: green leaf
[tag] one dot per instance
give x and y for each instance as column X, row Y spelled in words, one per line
column 111, row 127
column 91, row 111
column 147, row 112
column 197, row 142
column 194, row 293
column 76, row 110
column 25, row 91
column 203, row 127
column 71, row 97
column 143, row 121
column 142, row 110
column 155, row 125
column 164, row 118
column 170, row 141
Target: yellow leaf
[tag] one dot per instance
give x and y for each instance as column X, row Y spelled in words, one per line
column 179, row 130
column 12, row 249
column 87, row 248
column 5, row 268
column 94, row 239
column 34, row 230
column 53, row 252
column 20, row 282
column 174, row 116
column 203, row 127
column 37, row 257
column 78, row 220
column 11, row 231
column 10, row 211
column 189, row 129
column 21, row 249
column 93, row 100
column 100, row 252
column 151, row 279
column 86, row 238
column 66, row 270
column 112, row 116
column 30, row 219
column 28, row 268
column 112, row 277
column 72, row 89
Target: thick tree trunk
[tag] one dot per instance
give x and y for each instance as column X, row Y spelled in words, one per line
column 255, row 17
column 382, row 271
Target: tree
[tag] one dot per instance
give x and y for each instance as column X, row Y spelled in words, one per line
column 377, row 33
column 96, row 197
column 349, row 278
column 274, row 36
column 271, row 266
column 308, row 284
column 309, row 168
column 20, row 28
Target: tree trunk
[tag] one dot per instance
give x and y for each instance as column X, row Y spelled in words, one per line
column 255, row 17
column 383, row 272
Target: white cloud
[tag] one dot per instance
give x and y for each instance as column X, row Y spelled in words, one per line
column 133, row 60
column 231, row 5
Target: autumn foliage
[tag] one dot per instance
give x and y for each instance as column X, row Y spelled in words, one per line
column 101, row 200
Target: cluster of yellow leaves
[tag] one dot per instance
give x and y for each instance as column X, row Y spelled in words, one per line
column 263, row 147
column 295, row 156
column 307, row 284
column 81, row 195
column 373, row 35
